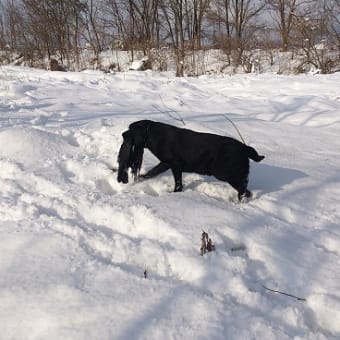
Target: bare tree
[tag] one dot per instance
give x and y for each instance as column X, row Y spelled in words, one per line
column 219, row 17
column 240, row 19
column 173, row 12
column 244, row 13
column 332, row 10
column 183, row 24
column 12, row 18
column 283, row 12
column 52, row 26
column 146, row 22
column 194, row 13
column 115, row 22
column 313, row 31
column 91, row 22
column 59, row 28
column 2, row 27
column 133, row 23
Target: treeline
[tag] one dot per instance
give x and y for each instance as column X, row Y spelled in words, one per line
column 60, row 28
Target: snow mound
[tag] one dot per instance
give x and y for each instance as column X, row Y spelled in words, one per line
column 327, row 311
column 30, row 146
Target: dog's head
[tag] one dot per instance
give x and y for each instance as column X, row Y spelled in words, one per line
column 131, row 151
column 140, row 131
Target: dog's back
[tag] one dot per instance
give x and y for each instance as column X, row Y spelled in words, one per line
column 194, row 151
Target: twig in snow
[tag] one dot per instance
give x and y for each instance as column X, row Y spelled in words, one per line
column 277, row 291
column 207, row 244
column 233, row 124
column 170, row 110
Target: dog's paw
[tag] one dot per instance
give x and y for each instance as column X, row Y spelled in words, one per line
column 245, row 197
column 123, row 177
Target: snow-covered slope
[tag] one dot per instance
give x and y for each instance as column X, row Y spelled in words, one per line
column 75, row 243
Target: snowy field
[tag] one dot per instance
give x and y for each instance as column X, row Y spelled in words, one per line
column 75, row 243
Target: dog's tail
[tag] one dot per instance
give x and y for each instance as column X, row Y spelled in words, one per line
column 252, row 154
column 130, row 156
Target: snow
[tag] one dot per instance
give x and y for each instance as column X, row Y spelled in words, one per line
column 75, row 243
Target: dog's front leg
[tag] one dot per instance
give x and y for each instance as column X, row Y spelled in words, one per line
column 177, row 172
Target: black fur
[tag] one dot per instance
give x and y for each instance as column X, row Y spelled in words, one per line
column 183, row 150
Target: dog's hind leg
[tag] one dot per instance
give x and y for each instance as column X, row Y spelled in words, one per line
column 241, row 187
column 242, row 196
column 158, row 169
column 177, row 172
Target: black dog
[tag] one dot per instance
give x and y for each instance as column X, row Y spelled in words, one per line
column 183, row 150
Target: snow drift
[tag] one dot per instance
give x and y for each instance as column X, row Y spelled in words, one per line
column 75, row 243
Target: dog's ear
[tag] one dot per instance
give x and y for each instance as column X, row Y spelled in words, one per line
column 126, row 135
column 131, row 151
column 139, row 132
column 124, row 157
